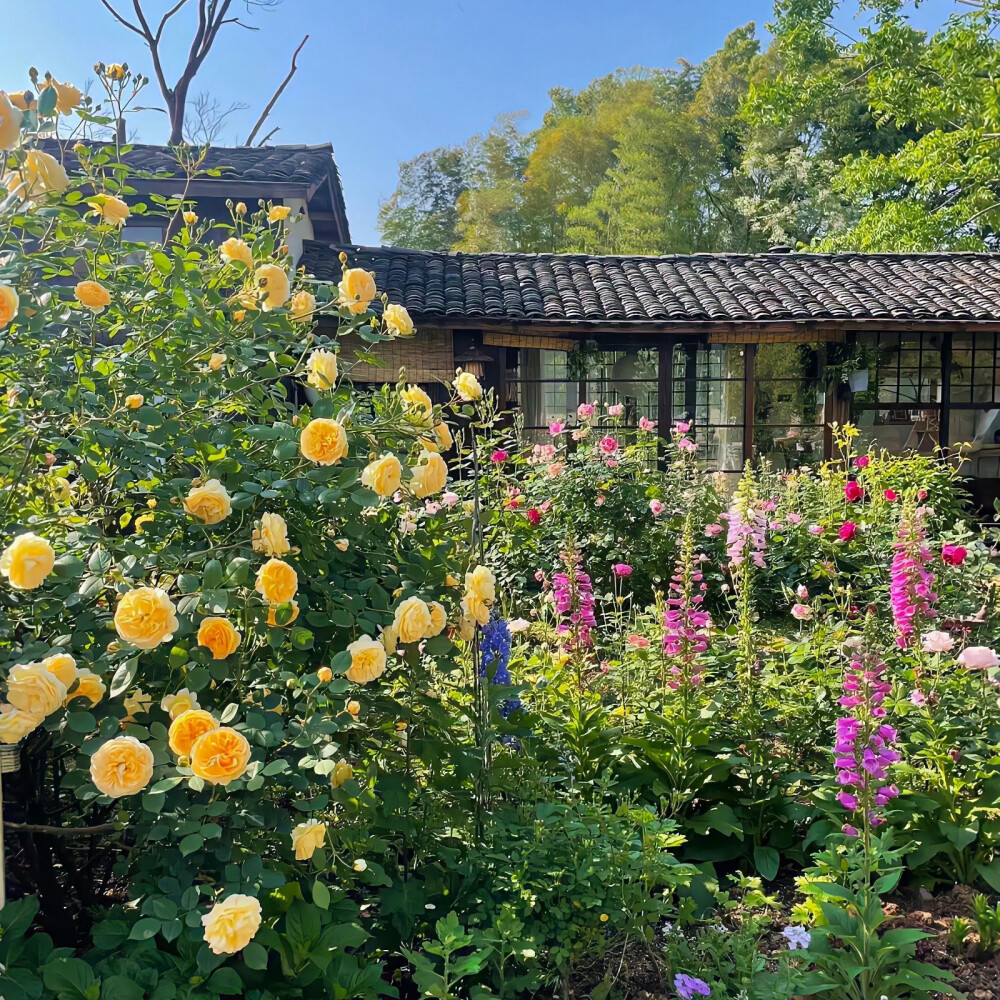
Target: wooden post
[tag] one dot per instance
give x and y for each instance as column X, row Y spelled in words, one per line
column 749, row 355
column 664, row 394
column 944, row 423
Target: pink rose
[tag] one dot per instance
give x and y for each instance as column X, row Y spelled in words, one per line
column 585, row 410
column 533, row 516
column 890, row 495
column 686, row 444
column 847, row 531
column 815, row 529
column 556, row 428
column 978, row 658
column 449, row 498
column 682, row 427
column 922, row 495
column 713, row 530
column 861, row 462
column 802, row 612
column 609, row 445
column 656, row 506
column 599, row 502
column 622, row 569
column 499, row 456
column 616, row 409
column 937, row 642
column 793, row 518
column 918, row 698
column 645, row 424
column 802, row 592
column 954, row 555
column 639, row 641
column 853, row 491
column 580, row 433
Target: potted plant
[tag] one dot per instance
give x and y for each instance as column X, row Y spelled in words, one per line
column 856, row 368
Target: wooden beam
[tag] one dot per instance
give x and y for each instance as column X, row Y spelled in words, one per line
column 523, row 340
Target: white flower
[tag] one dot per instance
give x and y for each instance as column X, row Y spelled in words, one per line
column 936, row 642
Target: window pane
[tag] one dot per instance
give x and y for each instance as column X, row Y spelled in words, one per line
column 708, row 392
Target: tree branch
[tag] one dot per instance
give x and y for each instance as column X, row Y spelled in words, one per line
column 120, row 19
column 61, row 831
column 274, row 100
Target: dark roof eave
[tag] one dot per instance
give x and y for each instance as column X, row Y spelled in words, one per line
column 219, row 187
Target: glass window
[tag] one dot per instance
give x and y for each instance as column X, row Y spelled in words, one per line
column 541, row 388
column 629, row 378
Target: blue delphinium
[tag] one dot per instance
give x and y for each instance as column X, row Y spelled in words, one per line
column 494, row 651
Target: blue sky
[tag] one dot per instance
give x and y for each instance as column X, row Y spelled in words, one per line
column 384, row 80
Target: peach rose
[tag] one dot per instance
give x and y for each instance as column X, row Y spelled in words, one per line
column 34, row 689
column 115, row 71
column 235, row 249
column 209, row 503
column 88, row 685
column 27, row 561
column 357, row 289
column 63, row 666
column 323, row 441
column 177, row 704
column 187, row 728
column 383, row 475
column 277, row 582
column 37, row 176
column 137, row 703
column 15, row 723
column 468, row 388
column 231, row 924
column 220, row 755
column 439, row 618
column 412, row 619
column 442, row 432
column 93, row 296
column 272, row 615
column 190, row 218
column 9, row 302
column 367, row 660
column 146, row 617
column 68, row 97
column 272, row 285
column 122, row 766
column 218, row 635
column 19, row 98
column 397, row 321
column 307, row 838
column 112, row 210
column 322, row 369
column 10, row 122
column 271, row 537
column 429, row 475
column 302, row 305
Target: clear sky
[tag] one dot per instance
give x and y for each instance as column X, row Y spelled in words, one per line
column 384, row 80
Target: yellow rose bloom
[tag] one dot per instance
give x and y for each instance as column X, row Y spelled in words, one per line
column 188, row 727
column 176, row 705
column 241, row 208
column 122, row 766
column 322, row 369
column 389, row 637
column 37, row 176
column 413, row 619
column 93, row 296
column 239, row 315
column 277, row 582
column 218, row 635
column 234, row 249
column 342, row 772
column 397, row 321
column 278, row 213
column 208, row 503
column 367, row 660
column 146, row 617
column 10, row 122
column 115, row 71
column 19, row 98
column 439, row 618
column 271, row 537
column 34, row 689
column 451, row 580
column 272, row 615
column 383, row 475
column 190, row 218
column 481, row 582
column 9, row 302
column 134, row 401
column 216, row 361
column 468, row 388
column 416, row 401
column 272, row 284
column 354, row 708
column 231, row 924
column 443, row 434
column 307, row 838
column 342, row 544
column 27, row 561
column 137, row 703
column 15, row 724
column 324, row 675
column 88, row 685
column 429, row 475
column 63, row 666
column 68, row 97
column 467, row 628
column 112, row 210
column 220, row 756
column 357, row 289
column 323, row 441
column 474, row 607
column 302, row 305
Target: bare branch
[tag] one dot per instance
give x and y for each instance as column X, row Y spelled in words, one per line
column 274, row 100
column 120, row 19
column 166, row 17
column 61, row 831
column 263, row 142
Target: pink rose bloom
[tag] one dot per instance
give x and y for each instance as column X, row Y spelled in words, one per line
column 686, row 444
column 937, row 642
column 599, row 502
column 556, row 428
column 580, row 433
column 802, row 592
column 853, row 491
column 609, row 445
column 499, row 456
column 616, row 409
column 612, row 463
column 533, row 516
column 954, row 555
column 656, row 506
column 431, row 507
column 922, row 495
column 518, row 625
column 978, row 658
column 713, row 530
column 861, row 462
column 847, row 531
column 585, row 410
column 555, row 469
column 793, row 518
column 449, row 498
column 815, row 529
column 622, row 569
column 802, row 612
column 639, row 641
column 918, row 698
column 890, row 495
column 682, row 426
column 539, row 575
column 645, row 424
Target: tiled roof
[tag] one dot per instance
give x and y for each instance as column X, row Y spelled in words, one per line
column 693, row 288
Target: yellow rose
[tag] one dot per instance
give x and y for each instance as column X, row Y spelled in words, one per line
column 272, row 615
column 303, row 305
column 451, row 580
column 467, row 628
column 220, row 756
column 418, row 404
column 429, row 475
column 231, row 924
column 323, row 441
column 190, row 218
column 9, row 302
column 38, row 175
column 468, row 388
column 389, row 638
column 413, row 619
column 10, row 122
column 115, row 71
column 397, row 321
column 239, row 315
column 439, row 618
column 367, row 660
column 474, row 607
column 122, row 766
column 277, row 582
column 218, row 635
column 272, row 284
column 34, row 689
column 209, row 503
column 354, row 708
column 93, row 296
column 383, row 475
column 241, row 208
column 357, row 289
column 324, row 675
column 27, row 561
column 137, row 703
column 307, row 838
column 187, row 728
column 342, row 544
column 216, row 361
column 279, row 213
column 112, row 210
column 271, row 537
column 235, row 249
column 63, row 666
column 481, row 582
column 88, row 685
column 145, row 617
column 322, row 369
column 68, row 97
column 176, row 705
column 342, row 771
column 15, row 724
column 19, row 98
column 134, row 401
column 443, row 434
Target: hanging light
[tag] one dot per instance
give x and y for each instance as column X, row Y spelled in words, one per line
column 473, row 361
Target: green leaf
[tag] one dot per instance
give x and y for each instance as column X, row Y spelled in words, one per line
column 226, row 982
column 162, row 262
column 46, row 107
column 68, row 978
column 255, row 956
column 302, row 925
column 144, row 929
column 767, row 861
column 321, row 895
